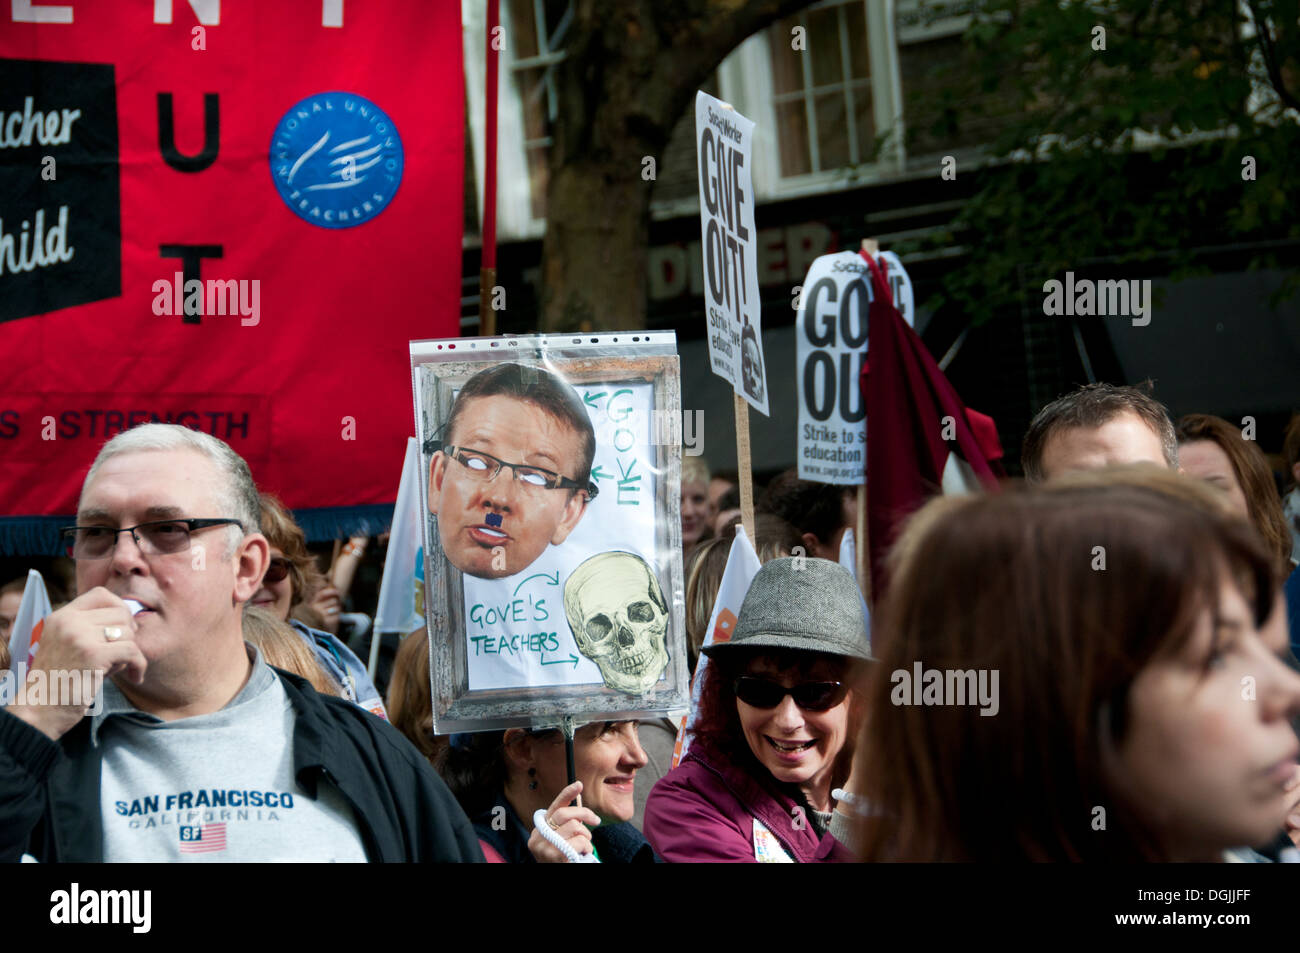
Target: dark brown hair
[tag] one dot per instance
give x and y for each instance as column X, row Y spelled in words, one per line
column 810, row 507
column 1094, row 405
column 1254, row 476
column 1067, row 591
column 410, row 705
column 539, row 387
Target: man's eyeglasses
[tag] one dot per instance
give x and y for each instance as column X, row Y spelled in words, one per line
column 276, row 572
column 155, row 538
column 485, row 467
column 810, row 696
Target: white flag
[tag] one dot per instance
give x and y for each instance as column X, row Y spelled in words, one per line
column 849, row 560
column 742, row 567
column 31, row 611
column 849, row 553
column 397, row 610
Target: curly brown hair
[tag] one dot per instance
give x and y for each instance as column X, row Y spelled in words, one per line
column 284, row 534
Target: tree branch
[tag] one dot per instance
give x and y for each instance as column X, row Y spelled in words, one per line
column 1269, row 49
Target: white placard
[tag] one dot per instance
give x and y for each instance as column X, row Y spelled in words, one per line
column 515, row 628
column 830, row 346
column 729, row 243
column 550, row 485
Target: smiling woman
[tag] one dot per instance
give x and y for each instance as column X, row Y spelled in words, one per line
column 772, row 740
column 503, row 779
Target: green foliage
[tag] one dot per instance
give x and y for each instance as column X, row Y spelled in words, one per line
column 1125, row 154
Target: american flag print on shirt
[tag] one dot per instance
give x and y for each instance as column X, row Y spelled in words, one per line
column 203, row 839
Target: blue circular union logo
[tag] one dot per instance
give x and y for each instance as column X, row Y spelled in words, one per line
column 336, row 159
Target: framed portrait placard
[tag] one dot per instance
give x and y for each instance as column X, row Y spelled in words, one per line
column 551, row 489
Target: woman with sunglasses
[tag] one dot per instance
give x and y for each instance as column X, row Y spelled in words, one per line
column 774, row 733
column 291, row 578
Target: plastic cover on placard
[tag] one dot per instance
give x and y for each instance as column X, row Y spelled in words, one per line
column 553, row 569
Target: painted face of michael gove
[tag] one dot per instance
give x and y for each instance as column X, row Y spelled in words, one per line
column 493, row 526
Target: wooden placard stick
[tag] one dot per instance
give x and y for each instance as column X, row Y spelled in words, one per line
column 744, row 468
column 872, row 248
column 487, row 316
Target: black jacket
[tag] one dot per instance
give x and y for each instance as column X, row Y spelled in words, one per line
column 49, row 791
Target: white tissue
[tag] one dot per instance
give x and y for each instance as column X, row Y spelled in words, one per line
column 134, row 606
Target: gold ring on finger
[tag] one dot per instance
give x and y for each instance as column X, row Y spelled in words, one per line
column 551, row 821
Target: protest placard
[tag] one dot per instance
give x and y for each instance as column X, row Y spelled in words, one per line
column 729, row 243
column 553, row 533
column 830, row 348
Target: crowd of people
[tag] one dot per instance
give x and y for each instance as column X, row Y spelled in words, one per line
column 1096, row 663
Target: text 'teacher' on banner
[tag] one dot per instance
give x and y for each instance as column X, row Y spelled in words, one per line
column 229, row 215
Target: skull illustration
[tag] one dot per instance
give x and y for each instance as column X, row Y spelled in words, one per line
column 619, row 619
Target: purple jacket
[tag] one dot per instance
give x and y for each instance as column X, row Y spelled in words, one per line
column 704, row 810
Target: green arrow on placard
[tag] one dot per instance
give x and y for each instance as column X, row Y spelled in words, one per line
column 560, row 661
column 552, row 578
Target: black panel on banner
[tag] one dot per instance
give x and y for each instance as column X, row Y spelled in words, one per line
column 60, row 208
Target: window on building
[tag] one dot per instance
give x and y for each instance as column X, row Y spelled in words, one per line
column 537, row 30
column 821, row 88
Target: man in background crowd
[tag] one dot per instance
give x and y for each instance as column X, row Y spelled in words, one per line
column 195, row 747
column 1095, row 426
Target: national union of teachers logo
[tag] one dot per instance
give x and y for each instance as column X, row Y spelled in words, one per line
column 336, row 159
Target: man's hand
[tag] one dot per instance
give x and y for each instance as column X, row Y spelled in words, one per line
column 571, row 823
column 89, row 639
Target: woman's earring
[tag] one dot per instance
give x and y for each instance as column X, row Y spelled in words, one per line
column 532, row 776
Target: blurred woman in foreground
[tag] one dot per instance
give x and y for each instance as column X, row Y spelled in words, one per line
column 1123, row 628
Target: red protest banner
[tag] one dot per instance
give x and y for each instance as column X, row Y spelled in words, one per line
column 226, row 214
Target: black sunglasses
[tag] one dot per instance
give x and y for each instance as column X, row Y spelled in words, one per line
column 810, row 696
column 278, row 569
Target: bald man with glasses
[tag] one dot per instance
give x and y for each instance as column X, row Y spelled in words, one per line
column 196, row 749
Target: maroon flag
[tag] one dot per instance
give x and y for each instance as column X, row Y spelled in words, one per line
column 921, row 439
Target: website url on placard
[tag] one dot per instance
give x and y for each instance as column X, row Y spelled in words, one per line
column 1202, row 920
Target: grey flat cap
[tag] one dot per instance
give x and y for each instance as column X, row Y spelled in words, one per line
column 812, row 605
